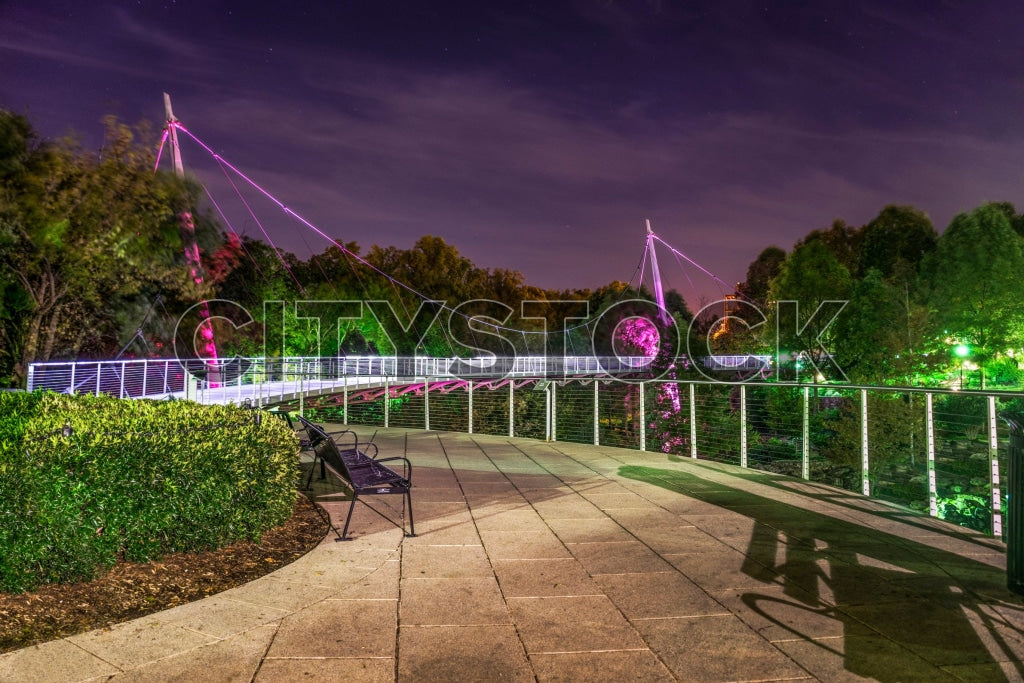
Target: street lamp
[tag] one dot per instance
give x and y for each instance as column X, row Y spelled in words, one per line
column 962, row 351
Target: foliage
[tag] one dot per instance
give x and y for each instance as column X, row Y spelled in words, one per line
column 82, row 237
column 811, row 275
column 895, row 431
column 966, row 509
column 896, row 241
column 878, row 335
column 135, row 480
column 760, row 274
column 841, row 240
column 975, row 284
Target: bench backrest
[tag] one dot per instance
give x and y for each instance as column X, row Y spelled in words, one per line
column 327, row 451
column 315, row 433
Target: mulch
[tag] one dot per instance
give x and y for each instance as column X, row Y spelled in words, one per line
column 130, row 590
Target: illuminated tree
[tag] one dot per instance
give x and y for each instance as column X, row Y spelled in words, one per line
column 810, row 276
column 84, row 237
column 975, row 283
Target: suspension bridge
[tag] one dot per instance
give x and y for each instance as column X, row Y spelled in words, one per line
column 585, row 398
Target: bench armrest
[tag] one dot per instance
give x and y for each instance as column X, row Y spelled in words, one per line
column 406, row 467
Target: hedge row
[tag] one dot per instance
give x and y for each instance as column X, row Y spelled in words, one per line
column 134, row 480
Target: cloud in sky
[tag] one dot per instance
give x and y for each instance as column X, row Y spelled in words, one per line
column 542, row 142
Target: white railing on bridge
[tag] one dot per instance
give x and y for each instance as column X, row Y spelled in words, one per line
column 261, row 379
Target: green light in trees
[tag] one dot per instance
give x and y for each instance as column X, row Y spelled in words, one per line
column 962, row 350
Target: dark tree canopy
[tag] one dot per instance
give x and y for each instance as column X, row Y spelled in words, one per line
column 896, row 241
column 760, row 274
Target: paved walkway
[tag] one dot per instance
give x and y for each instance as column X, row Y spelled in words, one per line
column 565, row 562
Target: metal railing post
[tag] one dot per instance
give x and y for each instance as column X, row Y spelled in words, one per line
column 743, row 425
column 693, row 421
column 470, row 413
column 643, row 420
column 929, row 430
column 597, row 423
column 547, row 412
column 554, row 411
column 805, row 434
column 511, row 408
column 993, row 462
column 344, row 403
column 387, row 401
column 302, row 392
column 865, row 482
column 426, row 403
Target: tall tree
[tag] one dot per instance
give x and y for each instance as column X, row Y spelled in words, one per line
column 877, row 339
column 896, row 241
column 812, row 276
column 760, row 273
column 842, row 240
column 80, row 235
column 975, row 283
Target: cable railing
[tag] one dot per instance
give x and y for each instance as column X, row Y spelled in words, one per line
column 935, row 450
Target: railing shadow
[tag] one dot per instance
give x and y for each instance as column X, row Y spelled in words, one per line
column 933, row 603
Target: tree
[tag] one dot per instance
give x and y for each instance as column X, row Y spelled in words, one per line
column 811, row 276
column 876, row 339
column 80, row 236
column 975, row 284
column 844, row 241
column 896, row 241
column 755, row 289
column 1016, row 219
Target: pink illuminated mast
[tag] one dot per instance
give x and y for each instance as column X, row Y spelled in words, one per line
column 659, row 291
column 659, row 296
column 188, row 229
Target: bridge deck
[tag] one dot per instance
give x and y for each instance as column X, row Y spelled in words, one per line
column 560, row 561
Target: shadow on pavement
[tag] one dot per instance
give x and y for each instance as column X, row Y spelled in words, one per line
column 947, row 608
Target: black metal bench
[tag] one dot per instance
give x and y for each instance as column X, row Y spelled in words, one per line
column 365, row 475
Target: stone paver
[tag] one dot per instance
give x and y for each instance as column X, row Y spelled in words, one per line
column 568, row 562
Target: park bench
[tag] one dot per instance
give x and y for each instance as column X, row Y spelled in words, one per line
column 363, row 474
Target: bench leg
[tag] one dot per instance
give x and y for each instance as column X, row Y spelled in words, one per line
column 351, row 507
column 408, row 506
column 309, row 479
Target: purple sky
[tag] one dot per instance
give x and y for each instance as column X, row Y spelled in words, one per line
column 539, row 136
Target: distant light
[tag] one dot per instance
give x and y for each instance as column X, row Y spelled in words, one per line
column 962, row 350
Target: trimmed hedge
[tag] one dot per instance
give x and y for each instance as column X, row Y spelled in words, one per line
column 135, row 480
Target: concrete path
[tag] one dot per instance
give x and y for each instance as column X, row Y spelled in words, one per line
column 566, row 562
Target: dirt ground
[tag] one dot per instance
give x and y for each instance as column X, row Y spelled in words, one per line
column 131, row 590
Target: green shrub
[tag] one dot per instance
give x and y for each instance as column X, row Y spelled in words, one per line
column 135, row 480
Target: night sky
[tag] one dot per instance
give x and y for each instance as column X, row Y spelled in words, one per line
column 539, row 136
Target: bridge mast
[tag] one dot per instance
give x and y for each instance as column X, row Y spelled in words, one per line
column 188, row 229
column 172, row 131
column 659, row 291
